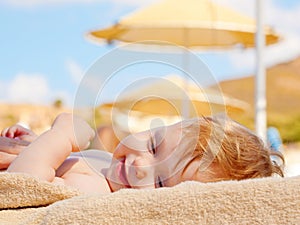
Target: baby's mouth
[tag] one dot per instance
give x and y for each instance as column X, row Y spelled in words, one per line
column 121, row 172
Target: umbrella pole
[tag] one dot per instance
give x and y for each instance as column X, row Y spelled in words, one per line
column 185, row 106
column 260, row 81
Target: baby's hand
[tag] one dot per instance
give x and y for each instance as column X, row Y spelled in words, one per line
column 19, row 132
column 76, row 129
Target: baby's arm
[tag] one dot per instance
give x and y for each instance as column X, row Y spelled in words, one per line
column 44, row 155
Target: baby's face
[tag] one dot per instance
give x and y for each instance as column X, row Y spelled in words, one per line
column 151, row 159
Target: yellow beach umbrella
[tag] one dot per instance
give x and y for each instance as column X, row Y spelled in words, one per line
column 163, row 97
column 189, row 23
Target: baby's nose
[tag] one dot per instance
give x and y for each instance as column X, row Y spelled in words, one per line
column 140, row 174
column 141, row 167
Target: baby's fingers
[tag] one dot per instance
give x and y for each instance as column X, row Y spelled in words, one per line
column 8, row 132
column 20, row 132
column 14, row 131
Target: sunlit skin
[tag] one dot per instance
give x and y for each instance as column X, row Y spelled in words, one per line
column 151, row 159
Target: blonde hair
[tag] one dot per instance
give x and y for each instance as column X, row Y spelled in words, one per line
column 235, row 150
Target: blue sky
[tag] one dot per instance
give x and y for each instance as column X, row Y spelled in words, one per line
column 44, row 52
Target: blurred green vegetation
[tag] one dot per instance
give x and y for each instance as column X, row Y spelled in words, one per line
column 10, row 119
column 288, row 126
column 58, row 103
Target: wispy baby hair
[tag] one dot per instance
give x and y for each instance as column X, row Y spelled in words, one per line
column 234, row 149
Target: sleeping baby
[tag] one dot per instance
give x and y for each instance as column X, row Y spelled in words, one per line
column 205, row 149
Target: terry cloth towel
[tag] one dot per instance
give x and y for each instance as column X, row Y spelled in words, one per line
column 26, row 200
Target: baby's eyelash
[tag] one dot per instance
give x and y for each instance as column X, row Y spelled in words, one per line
column 159, row 182
column 152, row 146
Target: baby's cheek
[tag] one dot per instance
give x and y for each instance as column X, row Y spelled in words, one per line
column 174, row 180
column 147, row 181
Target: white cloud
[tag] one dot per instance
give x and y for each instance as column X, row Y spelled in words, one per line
column 26, row 88
column 287, row 50
column 75, row 71
column 37, row 3
column 135, row 2
column 284, row 20
column 87, row 89
column 31, row 89
column 246, row 7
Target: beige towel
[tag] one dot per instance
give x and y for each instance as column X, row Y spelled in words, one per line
column 256, row 201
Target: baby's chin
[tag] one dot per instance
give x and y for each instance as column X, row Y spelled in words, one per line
column 115, row 186
column 148, row 185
